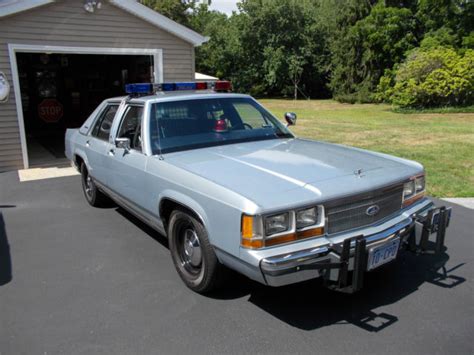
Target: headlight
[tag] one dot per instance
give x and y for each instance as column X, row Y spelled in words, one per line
column 264, row 231
column 413, row 190
column 306, row 218
column 420, row 184
column 277, row 223
column 408, row 189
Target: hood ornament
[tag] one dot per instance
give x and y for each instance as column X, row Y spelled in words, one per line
column 358, row 173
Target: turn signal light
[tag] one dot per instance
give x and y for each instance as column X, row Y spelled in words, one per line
column 253, row 240
column 310, row 233
column 252, row 244
column 412, row 200
column 249, row 239
column 247, row 227
column 286, row 238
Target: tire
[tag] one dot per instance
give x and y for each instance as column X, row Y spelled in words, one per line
column 93, row 196
column 192, row 254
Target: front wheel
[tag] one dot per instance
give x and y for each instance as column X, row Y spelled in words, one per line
column 93, row 196
column 192, row 254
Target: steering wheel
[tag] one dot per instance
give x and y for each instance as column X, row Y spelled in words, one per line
column 245, row 125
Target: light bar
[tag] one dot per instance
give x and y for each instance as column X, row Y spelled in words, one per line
column 185, row 86
column 145, row 88
column 201, row 86
column 222, row 85
column 148, row 88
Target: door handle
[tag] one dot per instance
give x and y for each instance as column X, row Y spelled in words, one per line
column 112, row 152
column 88, row 143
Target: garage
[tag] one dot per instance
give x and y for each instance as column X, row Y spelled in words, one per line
column 60, row 59
column 59, row 91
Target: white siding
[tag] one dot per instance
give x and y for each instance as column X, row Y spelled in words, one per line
column 65, row 23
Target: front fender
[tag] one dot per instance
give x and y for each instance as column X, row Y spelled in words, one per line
column 186, row 201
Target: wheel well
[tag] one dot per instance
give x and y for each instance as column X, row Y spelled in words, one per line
column 78, row 161
column 167, row 206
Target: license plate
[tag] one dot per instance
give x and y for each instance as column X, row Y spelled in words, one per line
column 383, row 254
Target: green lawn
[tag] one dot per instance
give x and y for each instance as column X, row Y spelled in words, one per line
column 442, row 142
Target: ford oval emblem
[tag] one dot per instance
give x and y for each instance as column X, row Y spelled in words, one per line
column 372, row 210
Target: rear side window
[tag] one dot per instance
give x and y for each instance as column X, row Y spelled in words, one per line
column 103, row 125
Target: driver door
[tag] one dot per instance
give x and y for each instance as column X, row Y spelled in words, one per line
column 126, row 167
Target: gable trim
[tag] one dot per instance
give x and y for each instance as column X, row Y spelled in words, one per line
column 158, row 20
column 130, row 6
column 19, row 6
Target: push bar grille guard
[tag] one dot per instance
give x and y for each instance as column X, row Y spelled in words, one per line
column 435, row 221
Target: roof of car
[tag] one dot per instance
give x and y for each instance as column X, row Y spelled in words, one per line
column 179, row 95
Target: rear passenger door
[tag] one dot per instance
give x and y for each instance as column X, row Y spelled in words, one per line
column 98, row 141
column 126, row 168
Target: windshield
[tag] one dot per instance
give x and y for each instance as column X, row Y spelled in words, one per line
column 191, row 124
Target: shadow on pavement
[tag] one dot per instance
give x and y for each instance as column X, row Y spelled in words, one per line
column 5, row 258
column 144, row 227
column 309, row 305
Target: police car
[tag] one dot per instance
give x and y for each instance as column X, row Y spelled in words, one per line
column 232, row 187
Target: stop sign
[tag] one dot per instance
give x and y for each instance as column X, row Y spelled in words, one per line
column 50, row 110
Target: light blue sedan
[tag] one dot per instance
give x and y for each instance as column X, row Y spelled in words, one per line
column 231, row 186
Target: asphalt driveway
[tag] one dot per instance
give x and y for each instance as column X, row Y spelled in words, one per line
column 79, row 280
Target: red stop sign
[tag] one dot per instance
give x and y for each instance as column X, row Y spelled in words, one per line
column 50, row 110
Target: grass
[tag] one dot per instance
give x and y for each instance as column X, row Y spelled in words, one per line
column 442, row 142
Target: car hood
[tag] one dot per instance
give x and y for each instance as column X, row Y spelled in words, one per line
column 276, row 173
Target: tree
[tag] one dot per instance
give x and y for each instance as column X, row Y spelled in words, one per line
column 367, row 48
column 177, row 10
column 281, row 43
column 295, row 70
column 346, row 48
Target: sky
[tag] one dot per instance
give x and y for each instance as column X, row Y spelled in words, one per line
column 226, row 6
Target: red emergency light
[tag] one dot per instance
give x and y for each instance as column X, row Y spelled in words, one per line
column 201, row 86
column 222, row 85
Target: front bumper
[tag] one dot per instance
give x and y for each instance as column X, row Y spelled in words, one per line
column 344, row 264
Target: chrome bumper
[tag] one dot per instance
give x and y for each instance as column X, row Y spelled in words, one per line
column 335, row 261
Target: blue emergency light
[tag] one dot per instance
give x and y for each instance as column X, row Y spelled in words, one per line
column 148, row 88
column 144, row 88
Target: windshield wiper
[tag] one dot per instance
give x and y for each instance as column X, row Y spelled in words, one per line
column 283, row 135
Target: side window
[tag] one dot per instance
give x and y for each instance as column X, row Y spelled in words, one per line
column 103, row 125
column 131, row 127
column 250, row 115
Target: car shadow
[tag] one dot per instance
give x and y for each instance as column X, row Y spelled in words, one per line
column 152, row 233
column 310, row 305
column 5, row 258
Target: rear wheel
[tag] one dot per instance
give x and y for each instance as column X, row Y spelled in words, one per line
column 192, row 254
column 93, row 196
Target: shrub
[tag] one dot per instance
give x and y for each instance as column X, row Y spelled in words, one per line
column 430, row 77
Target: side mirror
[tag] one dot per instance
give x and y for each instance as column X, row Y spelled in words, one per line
column 290, row 118
column 123, row 143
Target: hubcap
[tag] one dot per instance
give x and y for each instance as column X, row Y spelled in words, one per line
column 88, row 185
column 192, row 254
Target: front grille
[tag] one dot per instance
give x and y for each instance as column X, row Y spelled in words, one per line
column 352, row 212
